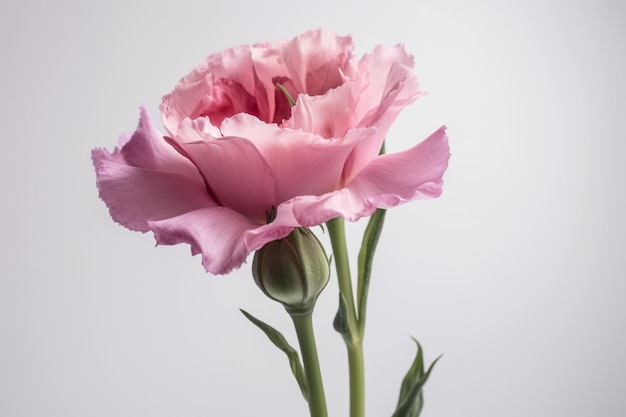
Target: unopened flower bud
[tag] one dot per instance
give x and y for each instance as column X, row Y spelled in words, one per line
column 293, row 270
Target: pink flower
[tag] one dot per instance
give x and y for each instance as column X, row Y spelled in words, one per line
column 241, row 167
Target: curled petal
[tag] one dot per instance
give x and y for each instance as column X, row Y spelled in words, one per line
column 243, row 79
column 147, row 149
column 329, row 116
column 314, row 60
column 385, row 67
column 387, row 85
column 224, row 237
column 386, row 182
column 147, row 180
column 215, row 232
column 220, row 86
column 196, row 130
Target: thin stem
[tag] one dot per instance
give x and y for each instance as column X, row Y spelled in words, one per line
column 304, row 329
column 337, row 231
column 354, row 341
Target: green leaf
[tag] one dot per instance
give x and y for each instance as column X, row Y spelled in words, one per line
column 366, row 257
column 415, row 372
column 280, row 342
column 411, row 398
column 341, row 323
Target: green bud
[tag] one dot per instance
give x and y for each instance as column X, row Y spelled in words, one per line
column 293, row 270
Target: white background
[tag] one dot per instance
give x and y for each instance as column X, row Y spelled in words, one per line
column 516, row 274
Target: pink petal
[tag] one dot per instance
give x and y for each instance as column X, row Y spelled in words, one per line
column 147, row 180
column 147, row 149
column 388, row 85
column 314, row 60
column 222, row 85
column 329, row 115
column 269, row 68
column 310, row 64
column 224, row 237
column 243, row 79
column 236, row 175
column 302, row 163
column 368, row 149
column 282, row 225
column 215, row 232
column 385, row 182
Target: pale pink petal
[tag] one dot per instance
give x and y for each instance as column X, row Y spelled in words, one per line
column 302, row 163
column 203, row 125
column 243, row 79
column 222, row 85
column 385, row 182
column 196, row 130
column 147, row 180
column 236, row 175
column 380, row 72
column 147, row 149
column 315, row 58
column 269, row 69
column 136, row 196
column 388, row 85
column 367, row 149
column 216, row 232
column 329, row 115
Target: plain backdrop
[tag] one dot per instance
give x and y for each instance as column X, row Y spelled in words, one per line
column 516, row 274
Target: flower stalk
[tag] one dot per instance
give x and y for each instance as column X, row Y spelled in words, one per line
column 352, row 336
column 304, row 330
column 293, row 271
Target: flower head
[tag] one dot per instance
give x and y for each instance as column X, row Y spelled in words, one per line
column 237, row 150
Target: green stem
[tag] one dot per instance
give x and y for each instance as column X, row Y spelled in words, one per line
column 304, row 329
column 357, row 379
column 354, row 341
column 337, row 234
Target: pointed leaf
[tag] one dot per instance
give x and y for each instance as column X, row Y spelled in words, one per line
column 411, row 398
column 280, row 342
column 366, row 257
column 415, row 371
